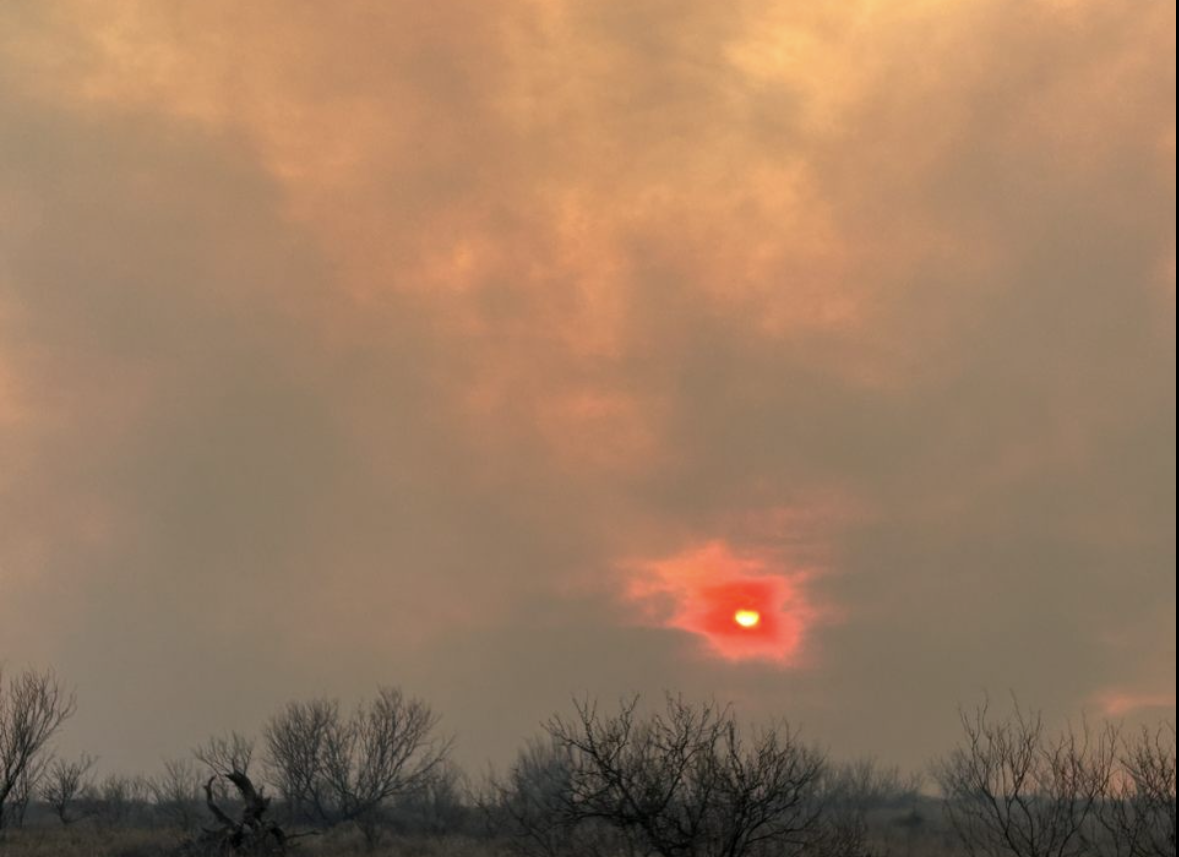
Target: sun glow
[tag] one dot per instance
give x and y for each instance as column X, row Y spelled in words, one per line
column 747, row 618
column 746, row 606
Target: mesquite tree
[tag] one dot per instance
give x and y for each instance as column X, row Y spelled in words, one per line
column 177, row 793
column 333, row 768
column 1012, row 789
column 1137, row 816
column 64, row 782
column 526, row 807
column 689, row 781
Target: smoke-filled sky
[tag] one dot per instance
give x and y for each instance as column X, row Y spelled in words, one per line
column 509, row 350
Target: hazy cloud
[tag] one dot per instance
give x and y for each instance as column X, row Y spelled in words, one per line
column 377, row 342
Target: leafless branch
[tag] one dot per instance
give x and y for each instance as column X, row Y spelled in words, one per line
column 345, row 769
column 33, row 706
column 1014, row 790
column 688, row 781
column 63, row 784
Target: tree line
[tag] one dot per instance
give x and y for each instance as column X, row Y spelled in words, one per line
column 680, row 779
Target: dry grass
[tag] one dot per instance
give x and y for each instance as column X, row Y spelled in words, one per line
column 93, row 842
column 89, row 841
column 351, row 844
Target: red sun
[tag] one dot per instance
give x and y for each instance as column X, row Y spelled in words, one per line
column 745, row 606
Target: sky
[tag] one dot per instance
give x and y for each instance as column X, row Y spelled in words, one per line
column 507, row 351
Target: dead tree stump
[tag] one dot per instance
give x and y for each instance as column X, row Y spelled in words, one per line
column 254, row 834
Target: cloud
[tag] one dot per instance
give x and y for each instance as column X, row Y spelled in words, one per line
column 370, row 341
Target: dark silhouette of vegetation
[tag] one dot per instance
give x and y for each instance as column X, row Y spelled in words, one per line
column 33, row 706
column 64, row 783
column 177, row 793
column 689, row 781
column 1137, row 815
column 1015, row 789
column 679, row 780
column 334, row 769
column 254, row 833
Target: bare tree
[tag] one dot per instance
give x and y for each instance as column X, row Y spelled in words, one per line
column 526, row 807
column 26, row 789
column 1013, row 789
column 33, row 706
column 1137, row 817
column 686, row 781
column 63, row 784
column 296, row 748
column 177, row 793
column 868, row 783
column 439, row 807
column 224, row 754
column 345, row 769
column 120, row 797
column 852, row 792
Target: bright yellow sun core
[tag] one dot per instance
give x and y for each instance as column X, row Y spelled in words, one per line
column 747, row 618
